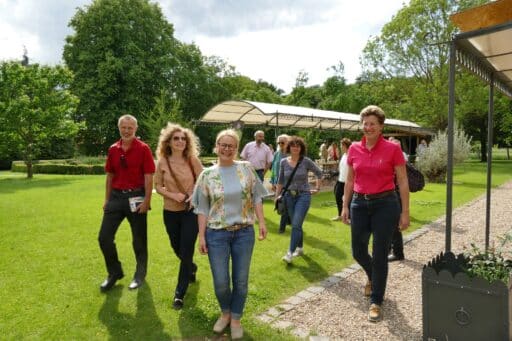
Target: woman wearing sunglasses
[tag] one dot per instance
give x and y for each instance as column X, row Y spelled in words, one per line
column 177, row 169
column 227, row 198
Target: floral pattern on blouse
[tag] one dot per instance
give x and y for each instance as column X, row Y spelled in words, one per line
column 208, row 197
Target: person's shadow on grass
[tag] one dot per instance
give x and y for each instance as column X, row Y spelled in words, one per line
column 145, row 324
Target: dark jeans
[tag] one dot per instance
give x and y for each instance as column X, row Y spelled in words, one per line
column 182, row 229
column 339, row 187
column 297, row 207
column 378, row 217
column 115, row 211
column 397, row 243
column 283, row 222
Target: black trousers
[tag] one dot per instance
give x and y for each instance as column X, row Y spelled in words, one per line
column 182, row 228
column 339, row 187
column 397, row 240
column 115, row 211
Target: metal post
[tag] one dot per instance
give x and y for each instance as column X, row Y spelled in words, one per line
column 449, row 170
column 490, row 126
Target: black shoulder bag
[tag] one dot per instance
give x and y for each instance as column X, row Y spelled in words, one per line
column 280, row 205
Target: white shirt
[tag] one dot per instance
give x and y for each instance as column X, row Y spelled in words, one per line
column 343, row 168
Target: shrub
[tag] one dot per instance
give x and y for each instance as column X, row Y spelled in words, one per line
column 59, row 167
column 433, row 161
column 491, row 265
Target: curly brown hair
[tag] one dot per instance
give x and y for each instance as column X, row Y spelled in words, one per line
column 164, row 148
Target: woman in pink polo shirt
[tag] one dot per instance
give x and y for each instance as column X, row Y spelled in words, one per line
column 374, row 205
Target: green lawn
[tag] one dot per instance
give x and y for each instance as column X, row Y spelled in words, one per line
column 51, row 265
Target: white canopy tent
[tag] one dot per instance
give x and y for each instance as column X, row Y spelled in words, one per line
column 241, row 113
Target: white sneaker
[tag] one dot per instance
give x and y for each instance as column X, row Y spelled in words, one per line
column 298, row 252
column 288, row 257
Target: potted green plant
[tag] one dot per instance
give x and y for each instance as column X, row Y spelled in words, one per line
column 469, row 296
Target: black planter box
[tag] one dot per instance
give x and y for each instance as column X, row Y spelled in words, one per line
column 456, row 307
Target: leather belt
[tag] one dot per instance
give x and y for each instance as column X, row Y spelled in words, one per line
column 236, row 227
column 295, row 193
column 373, row 196
column 129, row 190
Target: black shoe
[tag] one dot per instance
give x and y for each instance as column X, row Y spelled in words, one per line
column 135, row 284
column 281, row 231
column 110, row 281
column 393, row 258
column 178, row 303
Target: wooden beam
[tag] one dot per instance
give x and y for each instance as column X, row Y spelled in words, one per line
column 491, row 14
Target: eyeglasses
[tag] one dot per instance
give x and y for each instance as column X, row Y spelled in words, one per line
column 226, row 146
column 122, row 160
column 177, row 138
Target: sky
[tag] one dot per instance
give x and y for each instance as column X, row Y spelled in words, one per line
column 271, row 40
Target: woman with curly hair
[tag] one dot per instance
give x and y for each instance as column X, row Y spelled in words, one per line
column 177, row 169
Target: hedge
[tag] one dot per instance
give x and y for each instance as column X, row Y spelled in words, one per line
column 54, row 168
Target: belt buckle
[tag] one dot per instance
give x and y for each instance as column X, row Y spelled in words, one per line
column 233, row 228
column 294, row 193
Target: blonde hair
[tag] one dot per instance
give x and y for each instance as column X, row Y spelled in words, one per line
column 227, row 132
column 164, row 149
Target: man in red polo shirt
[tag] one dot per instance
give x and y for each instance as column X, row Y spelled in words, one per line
column 129, row 167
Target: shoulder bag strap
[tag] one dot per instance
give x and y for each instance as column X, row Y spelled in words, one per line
column 285, row 188
column 178, row 184
column 192, row 169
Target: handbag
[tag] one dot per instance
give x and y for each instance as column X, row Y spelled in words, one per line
column 280, row 205
column 415, row 178
column 178, row 184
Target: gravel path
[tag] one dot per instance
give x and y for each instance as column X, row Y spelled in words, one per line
column 336, row 308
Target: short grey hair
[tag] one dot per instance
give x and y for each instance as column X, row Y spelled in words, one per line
column 283, row 136
column 259, row 132
column 127, row 117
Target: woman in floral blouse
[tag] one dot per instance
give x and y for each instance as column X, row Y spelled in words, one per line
column 226, row 198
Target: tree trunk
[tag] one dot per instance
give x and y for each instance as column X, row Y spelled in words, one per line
column 30, row 171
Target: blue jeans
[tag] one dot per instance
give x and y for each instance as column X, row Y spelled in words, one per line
column 377, row 217
column 237, row 245
column 297, row 207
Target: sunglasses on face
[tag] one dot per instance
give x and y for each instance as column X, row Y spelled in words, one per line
column 178, row 138
column 281, row 142
column 122, row 160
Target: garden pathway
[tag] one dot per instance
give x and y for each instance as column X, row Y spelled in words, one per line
column 336, row 309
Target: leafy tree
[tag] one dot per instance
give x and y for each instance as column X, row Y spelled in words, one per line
column 36, row 109
column 121, row 53
column 413, row 48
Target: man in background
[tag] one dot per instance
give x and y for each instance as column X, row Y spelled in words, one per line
column 258, row 154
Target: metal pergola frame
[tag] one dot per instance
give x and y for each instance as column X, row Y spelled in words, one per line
column 464, row 53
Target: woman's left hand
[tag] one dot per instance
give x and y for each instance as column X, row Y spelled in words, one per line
column 404, row 221
column 262, row 232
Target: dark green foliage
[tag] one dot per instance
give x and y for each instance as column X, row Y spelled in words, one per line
column 60, row 169
column 121, row 53
column 36, row 110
